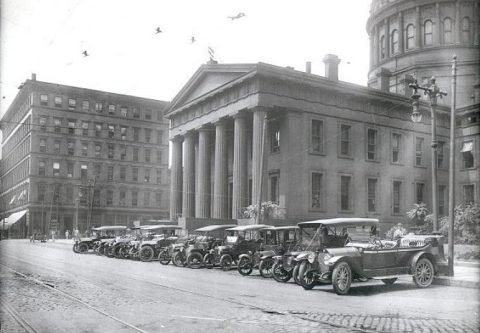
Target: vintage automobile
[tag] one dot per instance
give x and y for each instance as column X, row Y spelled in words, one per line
column 240, row 240
column 158, row 237
column 276, row 241
column 168, row 253
column 285, row 265
column 364, row 256
column 101, row 234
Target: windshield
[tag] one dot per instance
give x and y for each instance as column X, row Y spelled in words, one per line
column 359, row 234
column 310, row 237
column 231, row 239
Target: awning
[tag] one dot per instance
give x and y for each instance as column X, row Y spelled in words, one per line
column 467, row 146
column 12, row 219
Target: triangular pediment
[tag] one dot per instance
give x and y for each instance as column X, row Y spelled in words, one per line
column 207, row 79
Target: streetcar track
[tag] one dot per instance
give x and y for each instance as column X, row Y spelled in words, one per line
column 17, row 317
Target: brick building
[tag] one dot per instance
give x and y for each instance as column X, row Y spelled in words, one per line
column 66, row 146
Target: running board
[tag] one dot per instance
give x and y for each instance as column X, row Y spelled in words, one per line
column 388, row 277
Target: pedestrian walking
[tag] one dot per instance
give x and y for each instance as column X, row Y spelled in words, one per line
column 67, row 234
column 75, row 234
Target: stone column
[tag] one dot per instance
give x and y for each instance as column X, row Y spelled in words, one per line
column 437, row 30
column 371, row 50
column 188, row 201
column 240, row 187
column 258, row 126
column 401, row 33
column 220, row 182
column 387, row 38
column 457, row 26
column 202, row 202
column 176, row 179
column 418, row 29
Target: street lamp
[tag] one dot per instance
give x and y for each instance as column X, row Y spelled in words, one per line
column 433, row 92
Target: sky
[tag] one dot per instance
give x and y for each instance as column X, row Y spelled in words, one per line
column 126, row 56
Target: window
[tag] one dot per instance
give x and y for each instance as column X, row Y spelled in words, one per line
column 41, row 192
column 109, row 200
column 136, row 132
column 123, row 132
column 394, row 41
column 70, row 169
column 468, row 194
column 134, row 198
column 43, row 145
column 148, row 114
column 123, row 152
column 85, row 105
column 111, row 131
column 159, row 176
column 447, row 30
column 428, row 33
column 372, row 194
column 123, row 172
column 111, row 109
column 98, row 106
column 159, row 137
column 83, row 171
column 98, row 149
column 84, row 148
column 71, row 126
column 467, row 155
column 158, row 199
column 58, row 101
column 317, row 136
column 146, row 199
column 122, row 196
column 72, row 103
column 159, row 156
column 136, row 113
column 85, row 128
column 98, row 130
column 56, row 169
column 410, row 36
column 71, row 147
column 135, row 154
column 110, row 172
column 43, row 99
column 371, row 144
column 274, row 136
column 442, row 194
column 147, row 176
column 98, row 169
column 56, row 147
column 397, row 187
column 382, row 47
column 317, row 179
column 110, row 151
column 135, row 174
column 147, row 155
column 396, row 142
column 441, row 154
column 345, row 192
column 123, row 111
column 42, row 121
column 148, row 135
column 419, row 151
column 69, row 193
column 41, row 168
column 57, row 125
column 419, row 193
column 345, row 139
column 466, row 30
column 273, row 188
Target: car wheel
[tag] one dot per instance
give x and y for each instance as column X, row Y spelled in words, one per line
column 266, row 268
column 82, row 248
column 389, row 281
column 305, row 275
column 195, row 260
column 124, row 252
column 178, row 259
column 244, row 266
column 341, row 278
column 295, row 274
column 109, row 252
column 163, row 257
column 208, row 261
column 116, row 251
column 101, row 250
column 146, row 253
column 226, row 262
column 75, row 248
column 279, row 274
column 423, row 273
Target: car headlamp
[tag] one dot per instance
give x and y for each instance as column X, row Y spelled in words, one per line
column 311, row 258
column 327, row 257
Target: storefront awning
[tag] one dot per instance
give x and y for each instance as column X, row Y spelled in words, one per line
column 467, row 146
column 12, row 219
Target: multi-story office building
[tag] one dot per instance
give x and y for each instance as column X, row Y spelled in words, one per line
column 71, row 152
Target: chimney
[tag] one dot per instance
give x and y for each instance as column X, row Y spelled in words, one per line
column 308, row 67
column 331, row 66
column 383, row 79
column 34, row 77
column 407, row 79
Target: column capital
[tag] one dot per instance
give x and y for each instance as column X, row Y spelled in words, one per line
column 190, row 133
column 240, row 115
column 205, row 128
column 177, row 138
column 220, row 121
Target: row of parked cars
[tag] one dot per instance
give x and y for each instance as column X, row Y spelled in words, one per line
column 330, row 251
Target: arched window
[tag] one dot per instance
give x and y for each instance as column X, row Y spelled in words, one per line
column 428, row 33
column 447, row 30
column 394, row 39
column 466, row 30
column 410, row 36
column 382, row 47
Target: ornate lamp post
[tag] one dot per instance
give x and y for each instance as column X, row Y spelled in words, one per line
column 433, row 92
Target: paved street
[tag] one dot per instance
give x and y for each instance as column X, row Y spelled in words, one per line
column 48, row 288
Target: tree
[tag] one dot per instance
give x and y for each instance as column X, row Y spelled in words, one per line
column 268, row 210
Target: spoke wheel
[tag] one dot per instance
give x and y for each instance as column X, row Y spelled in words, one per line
column 295, row 274
column 124, row 252
column 266, row 267
column 305, row 275
column 179, row 259
column 109, row 252
column 226, row 262
column 342, row 278
column 164, row 257
column 75, row 248
column 208, row 261
column 280, row 274
column 195, row 260
column 389, row 281
column 82, row 248
column 244, row 266
column 423, row 273
column 146, row 253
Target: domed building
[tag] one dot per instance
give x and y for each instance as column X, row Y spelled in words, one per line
column 417, row 39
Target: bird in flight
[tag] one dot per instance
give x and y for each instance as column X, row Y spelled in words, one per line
column 193, row 40
column 158, row 30
column 85, row 53
column 236, row 17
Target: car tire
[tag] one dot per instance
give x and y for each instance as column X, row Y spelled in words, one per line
column 295, row 274
column 389, row 281
column 178, row 259
column 75, row 248
column 124, row 252
column 208, row 261
column 164, row 257
column 279, row 274
column 82, row 248
column 423, row 273
column 116, row 251
column 109, row 252
column 341, row 278
column 146, row 253
column 306, row 278
column 266, row 267
column 226, row 262
column 244, row 266
column 195, row 260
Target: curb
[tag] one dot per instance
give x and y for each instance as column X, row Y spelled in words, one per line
column 447, row 281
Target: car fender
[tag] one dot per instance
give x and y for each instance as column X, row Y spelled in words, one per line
column 245, row 255
column 351, row 255
column 414, row 259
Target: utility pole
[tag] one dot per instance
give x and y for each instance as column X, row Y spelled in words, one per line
column 260, row 178
column 90, row 210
